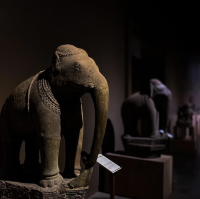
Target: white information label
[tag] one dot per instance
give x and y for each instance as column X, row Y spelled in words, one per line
column 108, row 164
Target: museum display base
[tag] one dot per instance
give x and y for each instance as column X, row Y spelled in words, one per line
column 184, row 132
column 141, row 178
column 17, row 190
column 144, row 147
column 187, row 146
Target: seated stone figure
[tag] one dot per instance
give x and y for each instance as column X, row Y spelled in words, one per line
column 185, row 115
column 185, row 127
column 149, row 107
column 46, row 106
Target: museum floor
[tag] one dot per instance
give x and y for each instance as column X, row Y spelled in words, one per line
column 186, row 178
column 101, row 195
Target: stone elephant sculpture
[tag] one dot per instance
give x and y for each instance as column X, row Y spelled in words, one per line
column 48, row 105
column 150, row 106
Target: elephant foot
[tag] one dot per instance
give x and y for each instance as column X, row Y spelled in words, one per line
column 77, row 172
column 82, row 180
column 51, row 181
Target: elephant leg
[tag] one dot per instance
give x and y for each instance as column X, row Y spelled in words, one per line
column 131, row 126
column 12, row 153
column 136, row 127
column 32, row 152
column 77, row 167
column 73, row 148
column 3, row 155
column 10, row 164
column 149, row 123
column 31, row 166
column 48, row 130
column 130, row 119
column 49, row 148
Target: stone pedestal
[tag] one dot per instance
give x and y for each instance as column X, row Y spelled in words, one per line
column 144, row 147
column 141, row 178
column 187, row 146
column 185, row 140
column 17, row 190
column 185, row 132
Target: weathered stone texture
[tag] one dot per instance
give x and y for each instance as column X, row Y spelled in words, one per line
column 17, row 190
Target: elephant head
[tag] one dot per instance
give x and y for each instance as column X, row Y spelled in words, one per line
column 72, row 74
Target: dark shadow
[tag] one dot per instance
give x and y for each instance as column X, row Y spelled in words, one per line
column 108, row 145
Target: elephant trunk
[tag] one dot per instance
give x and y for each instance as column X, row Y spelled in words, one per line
column 100, row 96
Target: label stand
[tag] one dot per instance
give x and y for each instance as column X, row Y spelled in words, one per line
column 112, row 186
column 113, row 168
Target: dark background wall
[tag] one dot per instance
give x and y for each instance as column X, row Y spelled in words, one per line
column 30, row 31
column 164, row 43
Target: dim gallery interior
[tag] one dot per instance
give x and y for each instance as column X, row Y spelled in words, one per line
column 99, row 99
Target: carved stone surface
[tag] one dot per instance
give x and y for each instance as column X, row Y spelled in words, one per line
column 17, row 190
column 144, row 147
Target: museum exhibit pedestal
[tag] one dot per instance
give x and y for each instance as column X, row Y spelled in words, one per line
column 17, row 190
column 144, row 147
column 185, row 132
column 186, row 146
column 185, row 140
column 141, row 178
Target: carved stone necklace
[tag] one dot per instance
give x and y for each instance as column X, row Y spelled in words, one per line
column 49, row 99
column 47, row 96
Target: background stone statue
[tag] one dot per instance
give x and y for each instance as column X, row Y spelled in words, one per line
column 150, row 106
column 46, row 106
column 185, row 115
column 145, row 113
column 186, row 125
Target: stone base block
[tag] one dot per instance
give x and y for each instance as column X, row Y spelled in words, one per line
column 17, row 190
column 183, row 146
column 141, row 178
column 144, row 147
column 185, row 132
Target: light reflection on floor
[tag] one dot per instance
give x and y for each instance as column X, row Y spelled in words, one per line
column 100, row 195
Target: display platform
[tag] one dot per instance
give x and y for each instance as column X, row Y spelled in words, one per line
column 17, row 190
column 185, row 132
column 185, row 140
column 183, row 147
column 141, row 178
